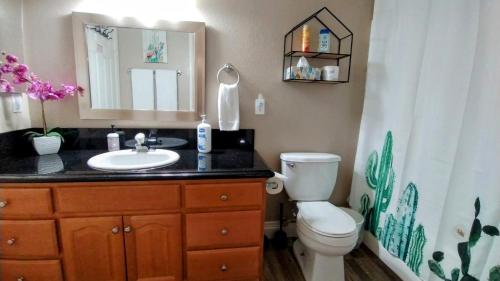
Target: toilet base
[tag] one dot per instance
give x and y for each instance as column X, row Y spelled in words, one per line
column 318, row 267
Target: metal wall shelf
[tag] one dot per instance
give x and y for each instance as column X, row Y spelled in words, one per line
column 342, row 41
column 313, row 81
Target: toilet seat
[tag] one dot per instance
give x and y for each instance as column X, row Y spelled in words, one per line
column 325, row 219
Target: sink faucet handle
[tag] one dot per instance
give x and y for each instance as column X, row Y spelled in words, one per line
column 153, row 132
column 140, row 138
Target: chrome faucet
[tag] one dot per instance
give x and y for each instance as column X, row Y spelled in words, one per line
column 140, row 146
column 153, row 137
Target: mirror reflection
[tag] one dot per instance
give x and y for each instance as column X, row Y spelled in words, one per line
column 140, row 69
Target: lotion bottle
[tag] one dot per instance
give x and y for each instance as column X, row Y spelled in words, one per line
column 204, row 132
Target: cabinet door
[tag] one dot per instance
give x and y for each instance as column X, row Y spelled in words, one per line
column 93, row 249
column 153, row 247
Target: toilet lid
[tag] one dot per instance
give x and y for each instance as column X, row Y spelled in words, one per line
column 326, row 219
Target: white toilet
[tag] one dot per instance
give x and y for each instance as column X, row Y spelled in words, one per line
column 326, row 233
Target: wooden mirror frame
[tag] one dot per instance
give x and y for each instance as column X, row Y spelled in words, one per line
column 83, row 77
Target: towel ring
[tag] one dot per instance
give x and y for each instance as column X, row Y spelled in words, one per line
column 227, row 68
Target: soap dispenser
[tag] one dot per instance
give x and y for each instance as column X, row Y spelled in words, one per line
column 113, row 140
column 204, row 132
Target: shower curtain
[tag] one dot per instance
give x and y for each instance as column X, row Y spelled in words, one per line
column 427, row 168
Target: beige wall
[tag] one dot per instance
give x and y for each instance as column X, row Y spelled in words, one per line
column 248, row 34
column 11, row 41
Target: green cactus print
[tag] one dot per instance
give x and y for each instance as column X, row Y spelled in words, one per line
column 380, row 177
column 415, row 255
column 364, row 209
column 388, row 231
column 365, row 204
column 495, row 273
column 464, row 252
column 405, row 219
column 397, row 235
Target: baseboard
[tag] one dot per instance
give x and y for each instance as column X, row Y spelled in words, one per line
column 270, row 227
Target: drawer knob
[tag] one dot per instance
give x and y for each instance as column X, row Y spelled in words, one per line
column 127, row 229
column 11, row 241
column 223, row 268
column 224, row 231
column 224, row 197
column 115, row 230
column 3, row 204
column 20, row 278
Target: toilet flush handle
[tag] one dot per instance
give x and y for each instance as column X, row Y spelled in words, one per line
column 290, row 164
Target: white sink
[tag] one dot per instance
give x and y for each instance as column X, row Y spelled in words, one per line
column 126, row 160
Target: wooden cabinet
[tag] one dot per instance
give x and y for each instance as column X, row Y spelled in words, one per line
column 224, row 264
column 93, row 249
column 223, row 229
column 132, row 231
column 38, row 270
column 28, row 239
column 25, row 202
column 117, row 197
column 153, row 247
column 217, row 195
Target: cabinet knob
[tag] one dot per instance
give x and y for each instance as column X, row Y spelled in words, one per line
column 224, row 197
column 11, row 241
column 224, row 231
column 115, row 230
column 223, row 268
column 20, row 278
column 127, row 229
column 3, row 203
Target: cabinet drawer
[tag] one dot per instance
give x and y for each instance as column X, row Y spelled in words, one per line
column 224, row 195
column 117, row 198
column 227, row 229
column 28, row 239
column 44, row 270
column 25, row 202
column 225, row 264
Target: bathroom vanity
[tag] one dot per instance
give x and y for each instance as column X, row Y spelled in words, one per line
column 200, row 218
column 174, row 223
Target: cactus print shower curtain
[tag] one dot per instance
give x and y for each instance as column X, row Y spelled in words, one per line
column 427, row 168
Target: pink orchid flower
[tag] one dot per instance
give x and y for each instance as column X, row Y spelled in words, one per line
column 35, row 88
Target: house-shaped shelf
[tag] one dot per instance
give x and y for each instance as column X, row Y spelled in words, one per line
column 339, row 53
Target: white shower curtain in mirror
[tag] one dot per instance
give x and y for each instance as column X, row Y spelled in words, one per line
column 427, row 169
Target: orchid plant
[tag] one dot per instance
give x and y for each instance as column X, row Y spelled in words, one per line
column 20, row 75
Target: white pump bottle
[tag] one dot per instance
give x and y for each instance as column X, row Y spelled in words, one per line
column 204, row 132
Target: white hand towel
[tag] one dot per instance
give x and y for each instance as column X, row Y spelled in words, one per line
column 229, row 107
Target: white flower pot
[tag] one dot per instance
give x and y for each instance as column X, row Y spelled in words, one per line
column 46, row 145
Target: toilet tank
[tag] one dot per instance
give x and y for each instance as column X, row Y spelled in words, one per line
column 309, row 176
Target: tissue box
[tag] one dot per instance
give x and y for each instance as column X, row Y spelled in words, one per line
column 304, row 73
column 293, row 73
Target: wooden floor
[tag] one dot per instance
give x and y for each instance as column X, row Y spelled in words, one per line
column 360, row 265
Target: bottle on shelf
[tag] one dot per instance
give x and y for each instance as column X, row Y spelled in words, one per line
column 306, row 38
column 324, row 40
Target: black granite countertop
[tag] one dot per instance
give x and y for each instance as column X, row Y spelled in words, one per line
column 70, row 165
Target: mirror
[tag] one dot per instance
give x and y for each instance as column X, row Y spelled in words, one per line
column 132, row 72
